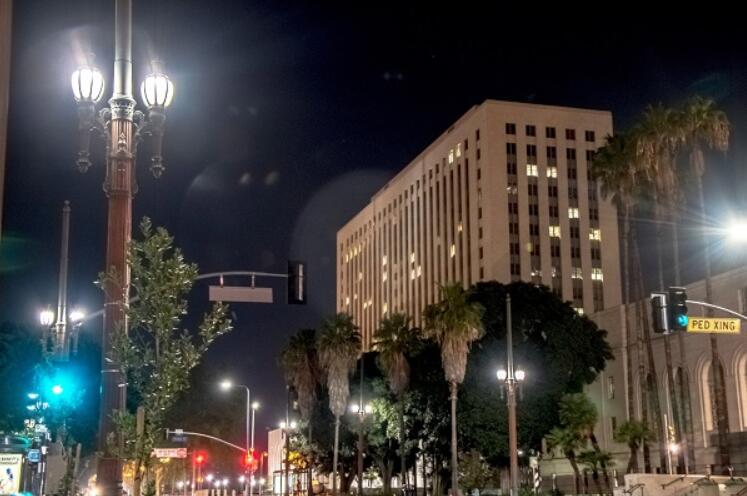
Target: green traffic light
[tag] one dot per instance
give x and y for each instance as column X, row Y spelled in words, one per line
column 682, row 320
column 57, row 389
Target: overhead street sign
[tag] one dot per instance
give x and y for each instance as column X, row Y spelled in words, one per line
column 170, row 452
column 243, row 294
column 713, row 326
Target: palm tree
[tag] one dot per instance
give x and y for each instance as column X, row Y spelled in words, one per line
column 657, row 143
column 596, row 461
column 705, row 127
column 569, row 441
column 394, row 340
column 633, row 433
column 300, row 362
column 338, row 346
column 454, row 323
column 616, row 169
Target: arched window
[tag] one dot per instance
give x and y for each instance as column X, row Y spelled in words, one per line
column 708, row 396
column 741, row 375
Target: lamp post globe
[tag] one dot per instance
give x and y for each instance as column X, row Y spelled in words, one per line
column 157, row 90
column 88, row 84
column 46, row 317
column 77, row 315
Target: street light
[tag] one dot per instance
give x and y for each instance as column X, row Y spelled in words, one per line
column 510, row 378
column 46, row 317
column 121, row 127
column 226, row 385
column 737, row 231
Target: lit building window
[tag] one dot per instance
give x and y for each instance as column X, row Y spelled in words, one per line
column 412, row 257
column 536, row 273
column 552, row 172
column 459, row 227
column 355, row 297
column 579, row 310
column 555, row 272
column 346, row 258
column 383, row 260
column 451, row 156
column 532, row 170
column 385, row 308
column 360, row 276
column 595, row 234
column 596, row 274
column 412, row 275
column 576, row 273
column 452, row 251
column 554, row 231
column 384, row 276
column 573, row 213
column 347, row 300
column 420, row 271
column 459, row 150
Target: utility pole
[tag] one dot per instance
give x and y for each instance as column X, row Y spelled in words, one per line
column 361, row 414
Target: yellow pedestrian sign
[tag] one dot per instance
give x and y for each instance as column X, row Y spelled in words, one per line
column 713, row 325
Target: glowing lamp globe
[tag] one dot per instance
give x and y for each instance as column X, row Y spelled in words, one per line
column 46, row 317
column 157, row 90
column 88, row 84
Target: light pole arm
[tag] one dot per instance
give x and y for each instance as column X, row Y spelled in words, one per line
column 207, row 436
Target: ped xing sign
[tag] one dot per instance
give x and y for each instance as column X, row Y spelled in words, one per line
column 714, row 326
column 170, row 452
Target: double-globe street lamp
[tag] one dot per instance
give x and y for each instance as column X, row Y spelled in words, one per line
column 122, row 128
column 60, row 344
column 511, row 378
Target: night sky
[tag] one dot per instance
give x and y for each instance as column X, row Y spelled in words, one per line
column 288, row 116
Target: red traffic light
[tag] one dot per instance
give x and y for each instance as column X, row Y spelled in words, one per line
column 251, row 460
column 200, row 457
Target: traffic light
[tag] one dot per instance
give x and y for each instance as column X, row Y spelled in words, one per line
column 200, row 457
column 251, row 460
column 296, row 283
column 659, row 313
column 677, row 309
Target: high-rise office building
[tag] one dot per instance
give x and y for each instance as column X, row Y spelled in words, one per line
column 504, row 194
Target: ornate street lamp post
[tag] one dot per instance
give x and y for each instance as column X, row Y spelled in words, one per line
column 511, row 378
column 121, row 127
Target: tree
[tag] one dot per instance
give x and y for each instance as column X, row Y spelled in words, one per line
column 395, row 338
column 633, row 433
column 705, row 127
column 617, row 170
column 597, row 461
column 547, row 331
column 578, row 413
column 300, row 362
column 155, row 354
column 338, row 345
column 475, row 473
column 657, row 142
column 454, row 323
column 569, row 441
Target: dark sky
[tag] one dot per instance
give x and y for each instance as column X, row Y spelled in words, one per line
column 287, row 116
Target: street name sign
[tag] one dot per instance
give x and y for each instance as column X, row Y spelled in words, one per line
column 713, row 325
column 170, row 452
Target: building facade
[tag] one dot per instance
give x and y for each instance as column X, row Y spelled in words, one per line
column 6, row 16
column 691, row 356
column 504, row 194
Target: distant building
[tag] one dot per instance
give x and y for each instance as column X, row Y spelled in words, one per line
column 504, row 194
